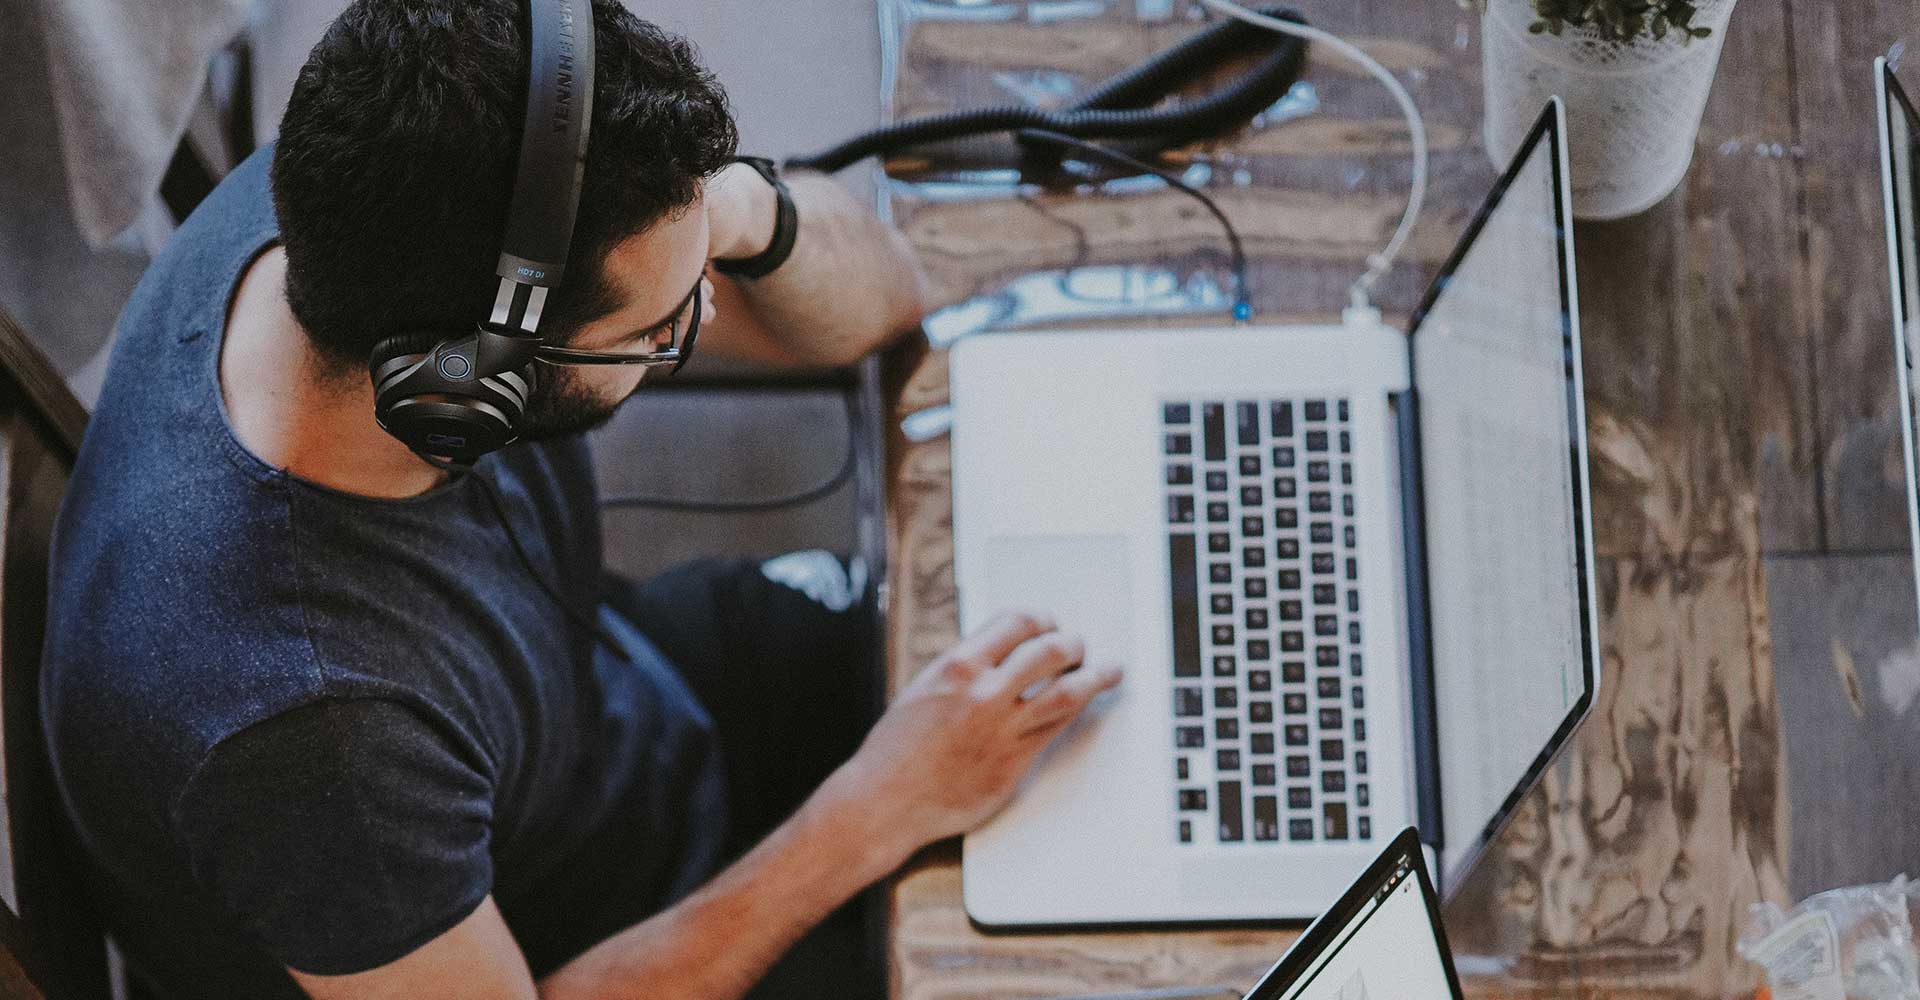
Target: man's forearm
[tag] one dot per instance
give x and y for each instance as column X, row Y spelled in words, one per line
column 718, row 942
column 851, row 284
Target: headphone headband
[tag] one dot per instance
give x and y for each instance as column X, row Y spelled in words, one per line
column 553, row 144
column 466, row 394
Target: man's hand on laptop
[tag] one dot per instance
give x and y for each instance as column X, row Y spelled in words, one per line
column 953, row 746
column 946, row 756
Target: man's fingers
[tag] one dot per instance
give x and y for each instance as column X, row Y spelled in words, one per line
column 1062, row 701
column 1001, row 636
column 1040, row 659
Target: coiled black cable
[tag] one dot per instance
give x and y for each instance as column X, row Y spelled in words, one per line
column 1119, row 107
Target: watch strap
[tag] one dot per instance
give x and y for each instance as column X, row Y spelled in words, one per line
column 786, row 227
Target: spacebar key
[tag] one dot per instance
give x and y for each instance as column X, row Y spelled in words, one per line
column 1230, row 829
column 1186, row 605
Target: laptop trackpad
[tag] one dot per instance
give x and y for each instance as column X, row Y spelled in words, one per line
column 1083, row 581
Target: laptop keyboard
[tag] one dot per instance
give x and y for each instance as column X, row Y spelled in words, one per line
column 1269, row 729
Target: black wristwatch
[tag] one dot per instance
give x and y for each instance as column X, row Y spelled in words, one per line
column 786, row 227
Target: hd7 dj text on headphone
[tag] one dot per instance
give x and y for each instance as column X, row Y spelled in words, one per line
column 453, row 395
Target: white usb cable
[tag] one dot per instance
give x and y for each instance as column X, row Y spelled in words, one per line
column 1380, row 263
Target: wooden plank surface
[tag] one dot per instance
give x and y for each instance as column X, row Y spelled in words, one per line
column 1714, row 395
column 1848, row 671
column 1837, row 148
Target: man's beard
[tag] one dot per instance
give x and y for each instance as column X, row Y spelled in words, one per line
column 560, row 406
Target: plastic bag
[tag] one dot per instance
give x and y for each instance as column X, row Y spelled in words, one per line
column 1844, row 944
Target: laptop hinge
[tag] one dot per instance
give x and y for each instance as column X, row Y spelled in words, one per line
column 1426, row 730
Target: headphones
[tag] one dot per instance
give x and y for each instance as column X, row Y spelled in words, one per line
column 462, row 394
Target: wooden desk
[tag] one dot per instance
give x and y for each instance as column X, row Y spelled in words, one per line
column 1757, row 599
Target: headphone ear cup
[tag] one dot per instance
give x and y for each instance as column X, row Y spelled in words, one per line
column 436, row 410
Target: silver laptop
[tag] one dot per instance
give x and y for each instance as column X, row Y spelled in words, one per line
column 1349, row 572
column 1383, row 940
column 1899, row 144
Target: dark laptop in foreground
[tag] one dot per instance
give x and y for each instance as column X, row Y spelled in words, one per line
column 1382, row 940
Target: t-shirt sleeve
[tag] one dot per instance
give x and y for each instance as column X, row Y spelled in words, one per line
column 342, row 834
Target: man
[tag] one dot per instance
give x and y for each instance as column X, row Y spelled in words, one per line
column 330, row 720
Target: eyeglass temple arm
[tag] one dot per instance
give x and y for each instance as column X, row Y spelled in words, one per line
column 675, row 356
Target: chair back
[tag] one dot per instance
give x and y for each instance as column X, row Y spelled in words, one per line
column 52, row 944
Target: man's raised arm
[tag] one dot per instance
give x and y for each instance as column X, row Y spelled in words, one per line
column 851, row 285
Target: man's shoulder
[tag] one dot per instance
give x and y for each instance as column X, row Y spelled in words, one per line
column 182, row 611
column 145, row 682
column 165, row 636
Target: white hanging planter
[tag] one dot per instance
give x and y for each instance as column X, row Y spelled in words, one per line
column 1633, row 108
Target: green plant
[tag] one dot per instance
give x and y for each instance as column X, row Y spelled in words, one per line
column 1614, row 20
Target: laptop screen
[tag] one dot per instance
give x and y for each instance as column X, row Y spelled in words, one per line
column 1899, row 144
column 1902, row 134
column 1502, row 450
column 1382, row 941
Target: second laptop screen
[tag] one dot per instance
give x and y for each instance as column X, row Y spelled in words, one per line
column 1388, row 951
column 1493, row 359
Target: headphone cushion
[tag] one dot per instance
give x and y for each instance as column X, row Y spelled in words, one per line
column 403, row 344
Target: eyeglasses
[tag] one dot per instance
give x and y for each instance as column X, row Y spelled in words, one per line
column 676, row 355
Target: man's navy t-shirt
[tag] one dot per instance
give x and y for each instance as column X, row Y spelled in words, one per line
column 302, row 728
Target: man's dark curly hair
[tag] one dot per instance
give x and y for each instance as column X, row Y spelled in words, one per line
column 396, row 160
